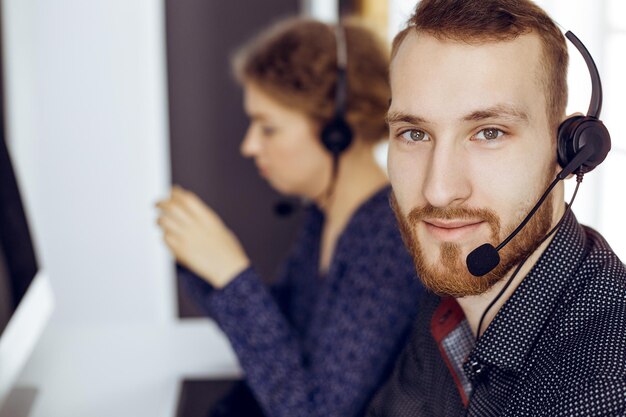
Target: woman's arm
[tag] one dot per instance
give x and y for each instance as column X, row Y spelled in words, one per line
column 364, row 317
column 364, row 312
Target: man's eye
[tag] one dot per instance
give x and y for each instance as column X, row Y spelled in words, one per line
column 414, row 135
column 489, row 133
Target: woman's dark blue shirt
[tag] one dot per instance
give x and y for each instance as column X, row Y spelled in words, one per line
column 316, row 345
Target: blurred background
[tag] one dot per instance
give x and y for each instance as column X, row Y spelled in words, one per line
column 109, row 102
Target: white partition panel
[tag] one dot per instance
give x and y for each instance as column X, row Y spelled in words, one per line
column 87, row 118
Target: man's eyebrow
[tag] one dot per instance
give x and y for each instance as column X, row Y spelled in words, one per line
column 395, row 117
column 500, row 111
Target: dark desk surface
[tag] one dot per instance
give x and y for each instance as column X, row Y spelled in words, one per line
column 200, row 398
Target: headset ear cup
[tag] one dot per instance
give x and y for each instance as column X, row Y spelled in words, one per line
column 565, row 140
column 336, row 136
column 579, row 131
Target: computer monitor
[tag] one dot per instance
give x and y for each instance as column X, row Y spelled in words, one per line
column 25, row 294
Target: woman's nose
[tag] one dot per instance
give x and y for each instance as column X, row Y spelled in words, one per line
column 251, row 145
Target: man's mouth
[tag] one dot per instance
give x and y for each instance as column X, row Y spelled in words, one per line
column 451, row 230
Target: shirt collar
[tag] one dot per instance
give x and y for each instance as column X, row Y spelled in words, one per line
column 524, row 314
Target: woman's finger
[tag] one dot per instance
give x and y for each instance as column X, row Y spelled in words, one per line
column 173, row 242
column 180, row 198
column 193, row 205
column 169, row 224
column 174, row 210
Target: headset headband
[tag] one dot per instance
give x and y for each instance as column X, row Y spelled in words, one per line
column 595, row 103
column 342, row 59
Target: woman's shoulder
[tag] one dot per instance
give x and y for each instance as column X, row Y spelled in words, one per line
column 373, row 231
column 374, row 215
column 373, row 247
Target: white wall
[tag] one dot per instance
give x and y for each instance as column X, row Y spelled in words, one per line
column 87, row 120
column 324, row 10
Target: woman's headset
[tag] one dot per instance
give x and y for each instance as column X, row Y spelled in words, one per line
column 336, row 134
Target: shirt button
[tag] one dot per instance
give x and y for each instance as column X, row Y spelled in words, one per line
column 477, row 368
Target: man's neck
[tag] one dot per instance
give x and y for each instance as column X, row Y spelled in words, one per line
column 474, row 306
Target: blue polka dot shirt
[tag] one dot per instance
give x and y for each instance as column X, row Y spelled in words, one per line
column 557, row 347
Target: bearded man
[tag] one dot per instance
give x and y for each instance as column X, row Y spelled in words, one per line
column 478, row 94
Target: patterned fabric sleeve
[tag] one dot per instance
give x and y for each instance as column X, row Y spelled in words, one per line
column 194, row 286
column 335, row 369
column 200, row 291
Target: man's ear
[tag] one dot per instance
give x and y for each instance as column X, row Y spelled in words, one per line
column 574, row 114
column 569, row 116
column 558, row 167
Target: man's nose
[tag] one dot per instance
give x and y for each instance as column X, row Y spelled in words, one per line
column 447, row 181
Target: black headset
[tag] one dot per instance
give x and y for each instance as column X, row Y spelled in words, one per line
column 583, row 142
column 336, row 134
column 584, row 138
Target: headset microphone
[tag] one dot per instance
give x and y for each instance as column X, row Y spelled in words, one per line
column 284, row 208
column 482, row 260
column 582, row 144
column 485, row 258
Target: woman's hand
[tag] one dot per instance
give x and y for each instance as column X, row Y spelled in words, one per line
column 199, row 239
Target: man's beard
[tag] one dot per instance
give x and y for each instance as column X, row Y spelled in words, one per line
column 450, row 275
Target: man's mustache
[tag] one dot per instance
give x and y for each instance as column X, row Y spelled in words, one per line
column 453, row 213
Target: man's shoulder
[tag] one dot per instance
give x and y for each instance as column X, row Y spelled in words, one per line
column 581, row 355
column 600, row 259
column 600, row 275
column 599, row 282
column 590, row 325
